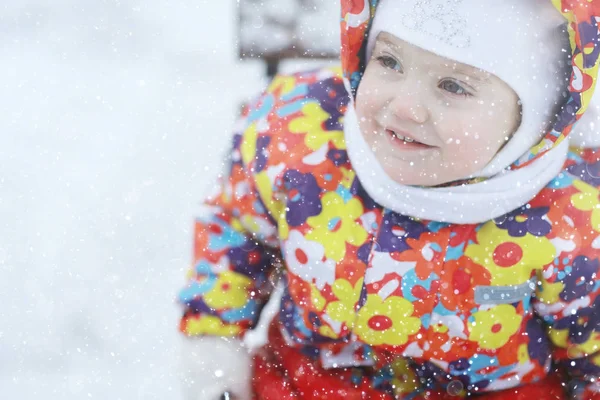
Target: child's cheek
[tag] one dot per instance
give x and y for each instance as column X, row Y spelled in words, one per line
column 373, row 87
column 479, row 153
column 366, row 104
column 468, row 153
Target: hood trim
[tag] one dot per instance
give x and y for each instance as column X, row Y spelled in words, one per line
column 467, row 204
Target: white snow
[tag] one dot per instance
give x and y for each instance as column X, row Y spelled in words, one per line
column 113, row 118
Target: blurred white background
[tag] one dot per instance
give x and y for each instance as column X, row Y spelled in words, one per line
column 114, row 115
column 113, row 118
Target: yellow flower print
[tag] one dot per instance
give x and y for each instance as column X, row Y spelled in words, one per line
column 549, row 292
column 343, row 310
column 326, row 331
column 230, row 291
column 587, row 200
column 318, row 302
column 492, row 328
column 545, row 144
column 337, row 225
column 560, row 338
column 386, row 322
column 405, row 380
column 439, row 328
column 311, row 123
column 209, row 325
column 264, row 184
column 190, row 274
column 317, row 299
column 509, row 259
column 347, row 177
column 286, row 83
column 523, row 354
column 248, row 145
column 590, row 346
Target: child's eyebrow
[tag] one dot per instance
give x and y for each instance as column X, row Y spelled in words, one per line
column 477, row 75
column 384, row 40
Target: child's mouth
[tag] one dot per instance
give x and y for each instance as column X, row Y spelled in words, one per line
column 404, row 142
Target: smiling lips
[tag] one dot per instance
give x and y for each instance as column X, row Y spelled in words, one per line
column 404, row 140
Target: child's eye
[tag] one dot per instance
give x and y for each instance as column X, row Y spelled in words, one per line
column 390, row 62
column 454, row 87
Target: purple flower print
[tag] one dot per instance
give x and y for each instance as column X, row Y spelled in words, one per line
column 364, row 251
column 316, row 323
column 458, row 378
column 539, row 345
column 198, row 306
column 581, row 280
column 357, row 190
column 582, row 324
column 395, row 230
column 311, row 351
column 292, row 320
column 526, row 220
column 589, row 173
column 589, row 35
column 461, row 371
column 429, row 374
column 250, row 259
column 333, row 98
column 261, row 152
column 338, row 157
column 567, row 115
column 580, row 367
column 287, row 313
column 303, row 197
column 237, row 143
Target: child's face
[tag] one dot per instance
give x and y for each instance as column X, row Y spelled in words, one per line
column 458, row 116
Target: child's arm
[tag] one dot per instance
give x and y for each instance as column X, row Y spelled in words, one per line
column 568, row 300
column 235, row 247
column 235, row 250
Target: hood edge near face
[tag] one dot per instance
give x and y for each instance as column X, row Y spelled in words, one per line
column 582, row 20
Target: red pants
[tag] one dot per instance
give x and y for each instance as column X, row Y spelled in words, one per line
column 283, row 373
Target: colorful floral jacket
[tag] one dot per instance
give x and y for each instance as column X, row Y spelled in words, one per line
column 495, row 305
column 493, row 302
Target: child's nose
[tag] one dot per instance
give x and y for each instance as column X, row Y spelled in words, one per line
column 409, row 108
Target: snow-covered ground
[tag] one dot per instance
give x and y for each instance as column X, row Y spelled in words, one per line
column 113, row 118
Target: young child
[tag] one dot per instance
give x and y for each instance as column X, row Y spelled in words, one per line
column 435, row 235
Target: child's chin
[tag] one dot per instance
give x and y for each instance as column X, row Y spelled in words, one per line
column 402, row 172
column 421, row 181
column 414, row 180
column 403, row 176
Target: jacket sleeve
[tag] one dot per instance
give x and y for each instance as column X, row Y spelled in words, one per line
column 568, row 298
column 235, row 245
